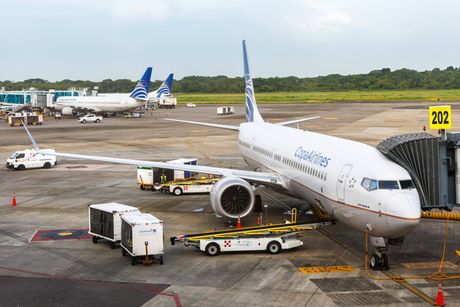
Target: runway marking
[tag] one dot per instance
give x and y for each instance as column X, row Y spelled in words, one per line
column 326, row 269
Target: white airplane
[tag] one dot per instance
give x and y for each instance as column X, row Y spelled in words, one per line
column 351, row 182
column 164, row 89
column 111, row 103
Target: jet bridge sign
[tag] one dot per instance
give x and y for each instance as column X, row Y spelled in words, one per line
column 440, row 117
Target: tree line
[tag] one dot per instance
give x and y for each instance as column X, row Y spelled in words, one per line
column 383, row 79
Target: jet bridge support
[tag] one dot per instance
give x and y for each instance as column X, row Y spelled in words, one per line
column 432, row 162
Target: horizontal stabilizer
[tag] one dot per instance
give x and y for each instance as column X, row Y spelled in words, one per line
column 290, row 122
column 228, row 127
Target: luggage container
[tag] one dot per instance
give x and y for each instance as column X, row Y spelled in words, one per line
column 142, row 238
column 105, row 222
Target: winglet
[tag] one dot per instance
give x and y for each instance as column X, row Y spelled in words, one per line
column 37, row 149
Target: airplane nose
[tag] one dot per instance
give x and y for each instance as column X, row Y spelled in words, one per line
column 404, row 212
column 402, row 205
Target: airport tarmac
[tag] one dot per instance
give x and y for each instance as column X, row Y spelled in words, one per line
column 80, row 273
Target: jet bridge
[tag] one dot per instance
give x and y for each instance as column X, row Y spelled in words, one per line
column 433, row 163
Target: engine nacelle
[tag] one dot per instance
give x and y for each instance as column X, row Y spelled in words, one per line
column 67, row 111
column 232, row 197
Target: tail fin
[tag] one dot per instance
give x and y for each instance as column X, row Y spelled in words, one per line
column 252, row 113
column 142, row 86
column 166, row 87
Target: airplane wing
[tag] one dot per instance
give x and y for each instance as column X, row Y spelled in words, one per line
column 250, row 176
column 290, row 122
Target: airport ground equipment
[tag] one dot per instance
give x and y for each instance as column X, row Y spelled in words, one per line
column 189, row 186
column 142, row 238
column 105, row 221
column 90, row 118
column 167, row 102
column 225, row 110
column 29, row 118
column 433, row 163
column 29, row 158
column 271, row 238
column 149, row 178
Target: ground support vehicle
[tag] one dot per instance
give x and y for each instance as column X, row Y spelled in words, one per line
column 225, row 110
column 189, row 186
column 142, row 238
column 167, row 102
column 270, row 238
column 105, row 221
column 29, row 158
column 90, row 118
column 149, row 178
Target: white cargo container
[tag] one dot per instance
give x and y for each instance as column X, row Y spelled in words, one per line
column 142, row 237
column 105, row 222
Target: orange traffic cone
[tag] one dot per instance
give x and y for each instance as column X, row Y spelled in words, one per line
column 440, row 297
column 258, row 219
column 13, row 201
column 238, row 224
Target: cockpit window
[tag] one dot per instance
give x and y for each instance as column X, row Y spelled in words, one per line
column 407, row 184
column 369, row 184
column 388, row 185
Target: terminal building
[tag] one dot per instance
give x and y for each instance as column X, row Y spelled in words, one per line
column 40, row 99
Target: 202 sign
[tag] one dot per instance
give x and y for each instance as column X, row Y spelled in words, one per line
column 440, row 117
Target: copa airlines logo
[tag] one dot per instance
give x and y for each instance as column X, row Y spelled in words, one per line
column 250, row 99
column 163, row 90
column 312, row 156
column 140, row 91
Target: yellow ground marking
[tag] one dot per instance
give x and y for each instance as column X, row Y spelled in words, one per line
column 427, row 265
column 326, row 269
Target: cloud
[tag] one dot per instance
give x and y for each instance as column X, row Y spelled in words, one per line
column 161, row 10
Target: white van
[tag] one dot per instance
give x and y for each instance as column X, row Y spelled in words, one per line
column 28, row 158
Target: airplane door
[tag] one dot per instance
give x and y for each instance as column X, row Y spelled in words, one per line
column 341, row 181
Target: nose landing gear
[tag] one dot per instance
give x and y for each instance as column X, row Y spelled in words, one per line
column 379, row 259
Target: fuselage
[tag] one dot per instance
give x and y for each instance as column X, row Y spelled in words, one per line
column 351, row 181
column 111, row 103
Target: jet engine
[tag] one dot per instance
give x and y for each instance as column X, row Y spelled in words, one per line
column 67, row 111
column 232, row 197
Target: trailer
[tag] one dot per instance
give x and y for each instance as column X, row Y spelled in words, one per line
column 189, row 186
column 149, row 178
column 167, row 102
column 270, row 238
column 225, row 110
column 105, row 221
column 142, row 238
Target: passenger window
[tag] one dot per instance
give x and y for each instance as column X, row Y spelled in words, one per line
column 20, row 156
column 407, row 184
column 388, row 185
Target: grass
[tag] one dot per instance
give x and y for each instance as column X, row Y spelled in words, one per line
column 322, row 97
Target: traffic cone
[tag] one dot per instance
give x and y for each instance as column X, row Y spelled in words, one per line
column 440, row 297
column 258, row 219
column 13, row 201
column 238, row 224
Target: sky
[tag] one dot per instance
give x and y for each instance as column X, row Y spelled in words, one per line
column 118, row 39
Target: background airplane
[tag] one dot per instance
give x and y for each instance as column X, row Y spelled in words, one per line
column 349, row 181
column 110, row 103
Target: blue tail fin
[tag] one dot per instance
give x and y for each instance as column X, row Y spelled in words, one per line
column 166, row 87
column 252, row 113
column 142, row 86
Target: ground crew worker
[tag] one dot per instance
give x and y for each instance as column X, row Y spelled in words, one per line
column 163, row 178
